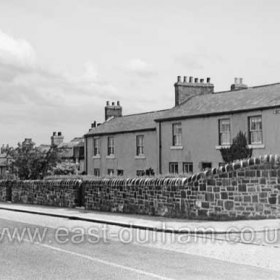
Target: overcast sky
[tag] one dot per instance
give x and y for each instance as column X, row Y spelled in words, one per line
column 60, row 60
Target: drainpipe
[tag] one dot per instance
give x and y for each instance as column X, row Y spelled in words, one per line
column 159, row 159
column 86, row 156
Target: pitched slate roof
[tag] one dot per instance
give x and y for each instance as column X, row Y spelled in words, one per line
column 259, row 97
column 128, row 123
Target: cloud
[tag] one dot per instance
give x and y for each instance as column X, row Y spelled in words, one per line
column 197, row 60
column 35, row 98
column 140, row 68
column 16, row 51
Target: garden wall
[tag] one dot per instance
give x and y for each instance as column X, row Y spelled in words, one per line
column 62, row 193
column 244, row 189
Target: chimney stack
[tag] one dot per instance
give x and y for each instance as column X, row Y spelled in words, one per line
column 185, row 90
column 57, row 139
column 93, row 125
column 238, row 84
column 113, row 110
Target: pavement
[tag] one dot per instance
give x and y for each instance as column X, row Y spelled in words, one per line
column 153, row 223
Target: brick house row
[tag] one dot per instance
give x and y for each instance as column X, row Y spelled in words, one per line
column 188, row 137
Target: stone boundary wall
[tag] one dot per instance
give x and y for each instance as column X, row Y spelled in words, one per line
column 3, row 190
column 151, row 196
column 244, row 189
column 62, row 193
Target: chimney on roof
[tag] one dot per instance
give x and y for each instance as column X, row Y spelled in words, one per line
column 238, row 84
column 113, row 110
column 93, row 125
column 186, row 89
column 56, row 139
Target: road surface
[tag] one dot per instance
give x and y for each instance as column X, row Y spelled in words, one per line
column 41, row 247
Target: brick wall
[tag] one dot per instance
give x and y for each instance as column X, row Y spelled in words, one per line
column 244, row 189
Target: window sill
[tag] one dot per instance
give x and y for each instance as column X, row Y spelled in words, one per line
column 256, row 146
column 222, row 147
column 96, row 157
column 176, row 148
column 140, row 157
column 110, row 157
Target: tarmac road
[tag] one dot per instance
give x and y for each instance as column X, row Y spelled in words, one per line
column 80, row 250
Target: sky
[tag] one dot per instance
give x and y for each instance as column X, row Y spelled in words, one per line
column 61, row 60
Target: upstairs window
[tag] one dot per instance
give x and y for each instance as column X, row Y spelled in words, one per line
column 111, row 146
column 96, row 151
column 255, row 130
column 177, row 134
column 224, row 132
column 140, row 145
column 173, row 168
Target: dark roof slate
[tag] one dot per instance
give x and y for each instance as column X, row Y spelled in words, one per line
column 127, row 123
column 227, row 102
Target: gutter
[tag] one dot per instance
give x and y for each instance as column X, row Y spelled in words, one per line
column 120, row 132
column 159, row 156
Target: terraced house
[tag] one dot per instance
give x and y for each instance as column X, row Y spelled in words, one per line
column 188, row 137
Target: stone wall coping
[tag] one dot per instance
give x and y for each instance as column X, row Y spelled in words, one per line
column 179, row 181
column 239, row 164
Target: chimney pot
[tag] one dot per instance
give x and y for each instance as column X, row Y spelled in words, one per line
column 113, row 103
column 118, row 103
column 236, row 81
column 54, row 133
column 202, row 80
column 185, row 79
column 196, row 80
column 241, row 81
column 107, row 103
column 179, row 79
column 191, row 79
column 208, row 80
column 59, row 133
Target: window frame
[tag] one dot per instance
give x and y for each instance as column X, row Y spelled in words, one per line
column 110, row 146
column 188, row 164
column 96, row 148
column 176, row 135
column 206, row 162
column 110, row 172
column 172, row 167
column 96, row 172
column 140, row 173
column 140, row 145
column 258, row 132
column 224, row 132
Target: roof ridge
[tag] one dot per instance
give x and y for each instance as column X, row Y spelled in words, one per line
column 143, row 113
column 266, row 85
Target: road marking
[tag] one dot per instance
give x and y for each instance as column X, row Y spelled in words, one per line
column 135, row 270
